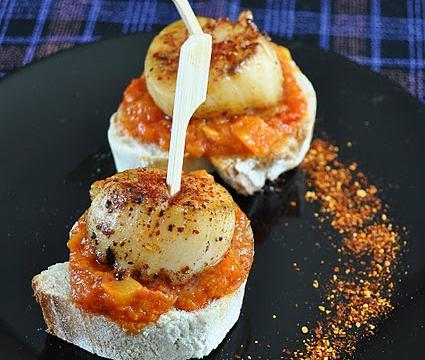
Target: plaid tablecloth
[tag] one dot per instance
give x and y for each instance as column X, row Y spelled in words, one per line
column 386, row 35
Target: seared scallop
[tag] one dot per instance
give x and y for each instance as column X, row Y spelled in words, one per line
column 245, row 72
column 137, row 226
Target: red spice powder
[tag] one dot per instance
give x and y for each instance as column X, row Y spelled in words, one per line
column 359, row 292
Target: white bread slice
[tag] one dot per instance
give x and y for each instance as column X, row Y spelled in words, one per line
column 177, row 335
column 245, row 174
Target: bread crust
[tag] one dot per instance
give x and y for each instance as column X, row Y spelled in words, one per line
column 246, row 174
column 177, row 335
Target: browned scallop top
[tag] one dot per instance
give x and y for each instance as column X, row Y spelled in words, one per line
column 233, row 44
column 138, row 185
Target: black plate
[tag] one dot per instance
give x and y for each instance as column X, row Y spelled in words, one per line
column 54, row 116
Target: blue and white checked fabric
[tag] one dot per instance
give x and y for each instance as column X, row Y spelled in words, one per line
column 386, row 35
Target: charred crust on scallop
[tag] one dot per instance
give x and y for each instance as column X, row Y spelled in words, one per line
column 228, row 53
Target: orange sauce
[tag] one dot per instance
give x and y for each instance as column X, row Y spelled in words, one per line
column 134, row 303
column 237, row 135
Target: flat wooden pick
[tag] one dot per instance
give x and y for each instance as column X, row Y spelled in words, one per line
column 188, row 17
column 191, row 91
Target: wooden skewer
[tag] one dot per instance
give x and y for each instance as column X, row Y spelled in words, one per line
column 188, row 17
column 191, row 90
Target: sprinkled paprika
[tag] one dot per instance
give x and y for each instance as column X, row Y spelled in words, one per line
column 361, row 288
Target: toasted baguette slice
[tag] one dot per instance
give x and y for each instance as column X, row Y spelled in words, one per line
column 245, row 174
column 177, row 335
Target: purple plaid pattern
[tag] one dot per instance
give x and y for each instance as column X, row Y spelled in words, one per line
column 386, row 35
